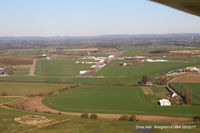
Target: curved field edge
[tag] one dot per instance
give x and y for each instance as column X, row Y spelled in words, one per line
column 114, row 100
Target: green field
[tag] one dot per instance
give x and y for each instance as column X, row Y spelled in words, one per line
column 9, row 125
column 194, row 88
column 18, row 52
column 64, row 70
column 26, row 89
column 6, row 99
column 157, row 93
column 135, row 73
column 59, row 68
column 7, row 122
column 21, row 72
column 132, row 51
column 159, row 90
column 111, row 99
column 76, row 125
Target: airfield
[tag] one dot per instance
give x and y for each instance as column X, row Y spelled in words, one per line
column 49, row 83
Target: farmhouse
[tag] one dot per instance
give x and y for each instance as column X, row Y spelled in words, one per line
column 164, row 102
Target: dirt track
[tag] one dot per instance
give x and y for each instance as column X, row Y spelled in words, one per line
column 21, row 66
column 32, row 70
column 36, row 103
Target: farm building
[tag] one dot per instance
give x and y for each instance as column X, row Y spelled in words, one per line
column 100, row 58
column 88, row 57
column 174, row 95
column 164, row 102
column 43, row 56
column 101, row 61
column 158, row 60
column 83, row 72
column 4, row 71
column 90, row 62
column 123, row 64
column 48, row 58
column 192, row 69
column 97, row 66
column 94, row 66
column 111, row 57
column 149, row 83
column 80, row 62
column 173, row 74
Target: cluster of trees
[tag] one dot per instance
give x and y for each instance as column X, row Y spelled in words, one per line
column 145, row 79
column 128, row 118
column 4, row 93
column 176, row 101
column 161, row 81
column 92, row 116
column 159, row 51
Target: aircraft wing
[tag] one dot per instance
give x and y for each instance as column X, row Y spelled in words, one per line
column 189, row 6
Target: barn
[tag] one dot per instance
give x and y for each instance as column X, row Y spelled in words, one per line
column 164, row 102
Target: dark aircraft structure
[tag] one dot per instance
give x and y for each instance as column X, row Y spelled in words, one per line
column 189, row 6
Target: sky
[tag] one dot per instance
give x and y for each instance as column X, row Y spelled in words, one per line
column 92, row 17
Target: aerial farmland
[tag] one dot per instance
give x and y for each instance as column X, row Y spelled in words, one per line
column 66, row 85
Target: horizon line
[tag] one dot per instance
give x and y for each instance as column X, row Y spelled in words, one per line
column 99, row 35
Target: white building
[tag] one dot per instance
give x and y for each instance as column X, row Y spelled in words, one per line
column 111, row 57
column 192, row 68
column 88, row 57
column 44, row 55
column 48, row 58
column 93, row 66
column 164, row 102
column 158, row 60
column 174, row 95
column 83, row 72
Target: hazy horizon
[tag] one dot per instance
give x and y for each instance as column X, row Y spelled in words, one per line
column 102, row 35
column 50, row 18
